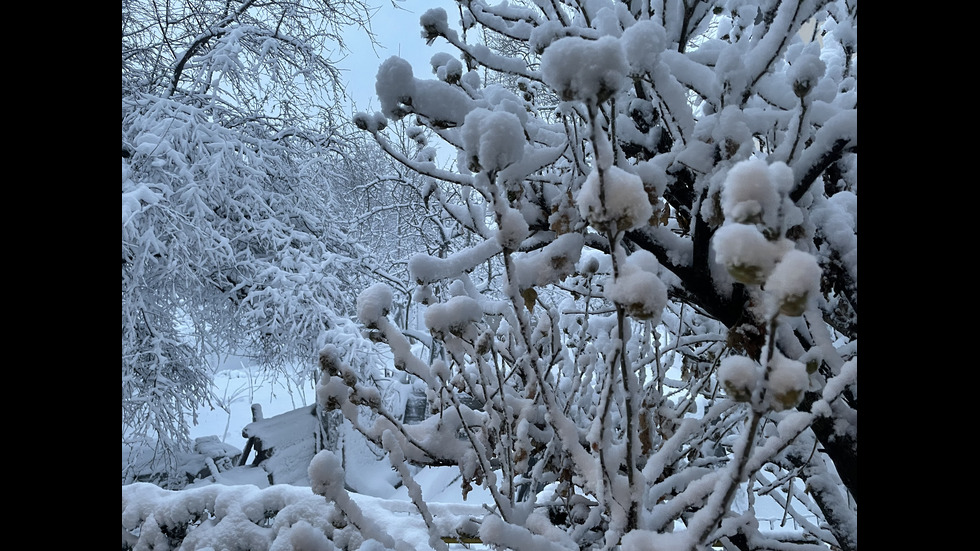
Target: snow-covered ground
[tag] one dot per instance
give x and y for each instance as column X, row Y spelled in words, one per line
column 376, row 486
column 373, row 486
column 368, row 471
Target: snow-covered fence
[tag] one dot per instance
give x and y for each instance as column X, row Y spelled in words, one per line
column 285, row 444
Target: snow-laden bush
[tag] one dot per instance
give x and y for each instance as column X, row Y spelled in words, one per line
column 629, row 360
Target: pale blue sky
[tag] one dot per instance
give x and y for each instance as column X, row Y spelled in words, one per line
column 398, row 31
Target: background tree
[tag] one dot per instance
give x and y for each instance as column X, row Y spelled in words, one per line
column 231, row 142
column 386, row 208
column 669, row 193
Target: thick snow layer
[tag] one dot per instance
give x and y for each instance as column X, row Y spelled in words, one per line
column 794, row 283
column 638, row 288
column 644, row 540
column 456, row 316
column 739, row 375
column 550, row 264
column 837, row 220
column 585, row 70
column 616, row 200
column 643, row 42
column 745, row 252
column 287, row 435
column 493, row 140
column 374, row 303
column 326, row 474
column 788, row 380
column 428, row 269
column 751, row 195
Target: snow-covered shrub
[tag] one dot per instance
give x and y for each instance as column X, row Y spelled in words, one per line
column 602, row 398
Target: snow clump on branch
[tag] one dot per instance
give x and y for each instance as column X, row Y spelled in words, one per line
column 493, row 140
column 750, row 243
column 435, row 23
column 446, row 67
column 749, row 246
column 745, row 252
column 638, row 289
column 794, row 283
column 373, row 304
column 371, row 122
column 395, row 85
column 643, row 42
column 750, row 195
column 326, row 475
column 585, row 70
column 513, row 229
column 739, row 375
column 805, row 72
column 617, row 201
column 550, row 264
column 400, row 93
column 788, row 380
column 457, row 316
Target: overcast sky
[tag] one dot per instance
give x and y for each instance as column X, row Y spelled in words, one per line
column 398, row 31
